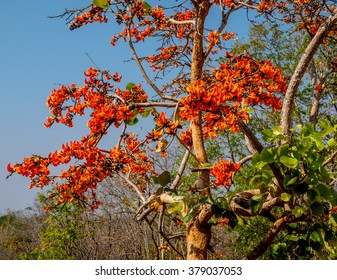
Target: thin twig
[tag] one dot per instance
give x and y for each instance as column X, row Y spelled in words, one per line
column 181, row 169
column 142, row 70
column 133, row 186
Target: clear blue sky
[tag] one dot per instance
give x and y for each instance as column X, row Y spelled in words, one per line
column 36, row 53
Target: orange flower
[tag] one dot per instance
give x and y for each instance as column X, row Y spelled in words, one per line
column 222, row 171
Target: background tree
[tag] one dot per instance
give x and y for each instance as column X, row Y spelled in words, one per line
column 191, row 98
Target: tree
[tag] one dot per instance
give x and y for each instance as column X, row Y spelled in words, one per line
column 197, row 93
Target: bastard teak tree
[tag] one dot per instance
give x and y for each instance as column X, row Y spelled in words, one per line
column 199, row 88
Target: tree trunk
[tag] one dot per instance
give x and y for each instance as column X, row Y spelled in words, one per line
column 199, row 235
column 198, row 230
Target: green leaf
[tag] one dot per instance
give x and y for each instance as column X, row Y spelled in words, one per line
column 310, row 127
column 293, row 238
column 187, row 218
column 267, row 135
column 317, row 208
column 293, row 225
column 232, row 218
column 315, row 161
column 304, row 146
column 324, row 175
column 315, row 241
column 217, row 211
column 164, row 178
column 205, row 200
column 267, row 155
column 133, row 121
column 282, row 151
column 130, row 86
column 313, row 195
column 277, row 130
column 212, row 221
column 159, row 191
column 289, row 162
column 104, row 4
column 175, row 207
column 155, row 179
column 332, row 143
column 301, row 188
column 147, row 7
column 317, row 138
column 285, row 197
column 255, row 203
column 289, row 180
column 297, row 211
column 146, row 113
column 221, row 202
column 256, row 158
column 327, row 128
column 326, row 192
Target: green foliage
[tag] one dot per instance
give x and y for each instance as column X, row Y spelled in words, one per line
column 104, row 4
column 304, row 165
column 61, row 234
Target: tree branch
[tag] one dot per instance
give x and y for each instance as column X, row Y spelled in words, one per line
column 269, row 238
column 142, row 70
column 181, row 170
column 133, row 186
column 330, row 159
column 288, row 102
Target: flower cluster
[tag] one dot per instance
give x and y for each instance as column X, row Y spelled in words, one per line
column 227, row 3
column 96, row 94
column 94, row 14
column 109, row 105
column 93, row 166
column 165, row 124
column 186, row 138
column 235, row 85
column 223, row 171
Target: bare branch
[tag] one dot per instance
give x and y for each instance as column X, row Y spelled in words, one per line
column 181, row 170
column 330, row 159
column 152, row 104
column 133, row 186
column 240, row 203
column 177, row 22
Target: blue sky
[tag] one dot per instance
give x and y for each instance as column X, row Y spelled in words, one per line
column 36, row 54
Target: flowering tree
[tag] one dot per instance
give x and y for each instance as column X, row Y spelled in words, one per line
column 210, row 90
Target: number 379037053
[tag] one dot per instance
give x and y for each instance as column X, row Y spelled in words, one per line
column 216, row 270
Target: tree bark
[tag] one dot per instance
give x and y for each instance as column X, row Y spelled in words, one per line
column 199, row 231
column 288, row 102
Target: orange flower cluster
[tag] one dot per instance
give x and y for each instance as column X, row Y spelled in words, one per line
column 223, row 171
column 182, row 30
column 95, row 95
column 135, row 95
column 223, row 222
column 149, row 21
column 166, row 125
column 186, row 138
column 93, row 166
column 161, row 60
column 227, row 3
column 239, row 83
column 109, row 105
column 31, row 166
column 214, row 41
column 94, row 14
